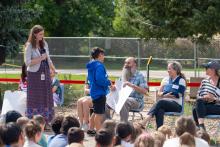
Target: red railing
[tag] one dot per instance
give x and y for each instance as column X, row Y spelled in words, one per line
column 14, row 80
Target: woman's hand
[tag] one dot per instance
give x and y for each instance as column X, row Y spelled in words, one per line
column 129, row 84
column 43, row 57
column 209, row 97
column 169, row 95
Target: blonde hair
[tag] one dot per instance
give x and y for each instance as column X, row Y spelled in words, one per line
column 31, row 129
column 159, row 139
column 144, row 140
column 166, row 130
column 136, row 132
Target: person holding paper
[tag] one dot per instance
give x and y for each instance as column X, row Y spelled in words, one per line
column 99, row 84
column 170, row 94
column 208, row 96
column 134, row 79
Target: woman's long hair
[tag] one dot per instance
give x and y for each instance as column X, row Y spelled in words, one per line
column 32, row 39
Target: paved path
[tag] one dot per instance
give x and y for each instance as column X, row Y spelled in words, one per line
column 153, row 73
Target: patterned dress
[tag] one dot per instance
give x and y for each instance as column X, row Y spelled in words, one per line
column 39, row 93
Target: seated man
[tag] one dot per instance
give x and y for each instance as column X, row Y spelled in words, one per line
column 83, row 109
column 135, row 79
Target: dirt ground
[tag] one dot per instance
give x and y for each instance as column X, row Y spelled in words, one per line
column 211, row 125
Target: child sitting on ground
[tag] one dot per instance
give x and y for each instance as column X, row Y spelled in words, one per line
column 75, row 137
column 33, row 134
column 104, row 138
column 38, row 119
column 166, row 130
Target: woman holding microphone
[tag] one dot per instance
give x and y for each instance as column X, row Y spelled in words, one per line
column 39, row 64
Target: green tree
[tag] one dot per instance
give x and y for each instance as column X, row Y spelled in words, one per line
column 76, row 17
column 170, row 18
column 14, row 17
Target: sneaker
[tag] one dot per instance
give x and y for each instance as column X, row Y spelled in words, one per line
column 91, row 132
column 85, row 127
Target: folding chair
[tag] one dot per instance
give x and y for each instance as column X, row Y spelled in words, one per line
column 133, row 111
column 139, row 110
column 176, row 113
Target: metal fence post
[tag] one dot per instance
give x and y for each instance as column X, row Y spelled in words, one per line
column 195, row 59
column 89, row 47
column 139, row 58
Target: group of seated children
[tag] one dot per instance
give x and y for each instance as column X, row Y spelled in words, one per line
column 24, row 132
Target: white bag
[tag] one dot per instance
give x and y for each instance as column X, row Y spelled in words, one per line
column 14, row 101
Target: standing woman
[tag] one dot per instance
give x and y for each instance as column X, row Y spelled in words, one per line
column 39, row 89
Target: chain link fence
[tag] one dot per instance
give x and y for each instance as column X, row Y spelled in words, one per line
column 74, row 52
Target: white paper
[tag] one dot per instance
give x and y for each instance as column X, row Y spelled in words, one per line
column 14, row 101
column 112, row 97
column 123, row 96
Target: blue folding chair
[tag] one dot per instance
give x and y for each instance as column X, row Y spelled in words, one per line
column 133, row 111
column 139, row 110
column 176, row 113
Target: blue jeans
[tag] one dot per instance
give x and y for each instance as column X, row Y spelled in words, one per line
column 203, row 108
column 161, row 107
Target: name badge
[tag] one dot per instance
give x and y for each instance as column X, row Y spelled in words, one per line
column 42, row 76
column 175, row 86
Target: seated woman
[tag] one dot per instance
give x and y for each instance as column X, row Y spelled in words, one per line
column 56, row 89
column 170, row 94
column 83, row 108
column 208, row 96
column 23, row 81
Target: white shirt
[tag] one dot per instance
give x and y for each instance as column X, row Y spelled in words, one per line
column 174, row 142
column 29, row 143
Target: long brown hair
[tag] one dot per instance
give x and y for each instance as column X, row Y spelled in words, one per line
column 32, row 39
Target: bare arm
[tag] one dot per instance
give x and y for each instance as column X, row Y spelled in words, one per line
column 136, row 88
column 86, row 89
column 160, row 93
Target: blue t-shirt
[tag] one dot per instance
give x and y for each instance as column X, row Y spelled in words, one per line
column 59, row 141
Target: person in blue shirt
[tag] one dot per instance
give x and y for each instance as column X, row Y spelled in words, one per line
column 170, row 94
column 61, row 140
column 99, row 84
